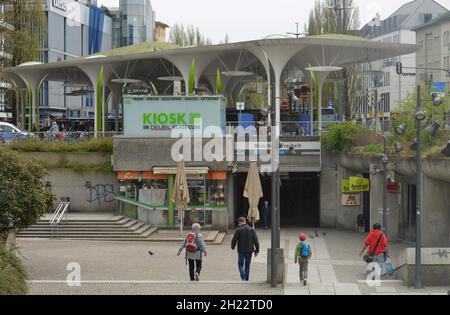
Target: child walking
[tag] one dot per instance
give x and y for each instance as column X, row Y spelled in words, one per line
column 303, row 254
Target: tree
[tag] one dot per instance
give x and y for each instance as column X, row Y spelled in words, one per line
column 24, row 197
column 187, row 36
column 25, row 37
column 338, row 17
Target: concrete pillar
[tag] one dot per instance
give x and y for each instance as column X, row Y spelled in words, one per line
column 435, row 213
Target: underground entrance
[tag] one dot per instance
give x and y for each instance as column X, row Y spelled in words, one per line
column 299, row 198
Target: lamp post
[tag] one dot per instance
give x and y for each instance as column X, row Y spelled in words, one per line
column 385, row 161
column 420, row 116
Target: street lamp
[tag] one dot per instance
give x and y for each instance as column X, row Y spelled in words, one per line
column 267, row 112
column 420, row 116
column 321, row 73
column 446, row 150
column 297, row 34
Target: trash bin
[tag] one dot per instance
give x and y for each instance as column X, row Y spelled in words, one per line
column 65, row 199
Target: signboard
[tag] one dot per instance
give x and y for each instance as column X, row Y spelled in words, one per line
column 59, row 4
column 240, row 106
column 358, row 184
column 438, row 88
column 158, row 116
column 345, row 186
column 352, row 200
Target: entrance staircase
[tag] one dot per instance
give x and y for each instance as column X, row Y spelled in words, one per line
column 106, row 228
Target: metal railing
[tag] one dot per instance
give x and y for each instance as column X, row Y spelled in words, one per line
column 64, row 136
column 60, row 213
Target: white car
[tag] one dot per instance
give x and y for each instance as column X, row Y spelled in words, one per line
column 9, row 132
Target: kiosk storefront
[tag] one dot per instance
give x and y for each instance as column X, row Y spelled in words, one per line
column 147, row 197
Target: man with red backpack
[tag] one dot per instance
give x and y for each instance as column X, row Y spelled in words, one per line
column 195, row 247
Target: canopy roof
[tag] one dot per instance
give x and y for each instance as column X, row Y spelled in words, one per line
column 148, row 61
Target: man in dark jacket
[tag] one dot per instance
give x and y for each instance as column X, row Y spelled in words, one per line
column 247, row 243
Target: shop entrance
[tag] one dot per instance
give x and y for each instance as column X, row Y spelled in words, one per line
column 299, row 200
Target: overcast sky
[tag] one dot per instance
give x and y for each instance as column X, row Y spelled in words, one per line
column 253, row 19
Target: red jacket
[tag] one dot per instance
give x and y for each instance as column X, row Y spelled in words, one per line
column 372, row 240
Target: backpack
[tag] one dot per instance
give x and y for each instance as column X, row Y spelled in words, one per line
column 191, row 242
column 305, row 250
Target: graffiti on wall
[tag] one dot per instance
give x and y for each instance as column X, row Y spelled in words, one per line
column 101, row 193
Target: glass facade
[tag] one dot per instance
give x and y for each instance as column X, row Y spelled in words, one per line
column 137, row 22
column 148, row 200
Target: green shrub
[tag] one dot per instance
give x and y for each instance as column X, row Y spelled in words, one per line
column 98, row 145
column 24, row 196
column 13, row 275
column 406, row 114
column 342, row 137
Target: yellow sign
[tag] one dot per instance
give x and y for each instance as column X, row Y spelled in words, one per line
column 358, row 184
column 345, row 186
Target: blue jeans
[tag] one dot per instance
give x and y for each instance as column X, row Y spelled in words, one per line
column 244, row 261
column 265, row 217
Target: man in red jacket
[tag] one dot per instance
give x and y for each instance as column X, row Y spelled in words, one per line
column 380, row 253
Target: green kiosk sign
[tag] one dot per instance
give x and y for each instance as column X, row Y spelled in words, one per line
column 158, row 116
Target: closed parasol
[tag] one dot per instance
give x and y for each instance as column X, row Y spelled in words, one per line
column 253, row 192
column 181, row 192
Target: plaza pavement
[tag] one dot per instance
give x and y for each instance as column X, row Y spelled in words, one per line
column 127, row 268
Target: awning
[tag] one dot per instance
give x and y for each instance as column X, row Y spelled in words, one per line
column 188, row 170
column 128, row 175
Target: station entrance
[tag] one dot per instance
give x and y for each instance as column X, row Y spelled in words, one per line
column 299, row 198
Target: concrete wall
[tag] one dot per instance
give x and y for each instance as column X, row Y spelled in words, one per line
column 329, row 191
column 90, row 191
column 376, row 205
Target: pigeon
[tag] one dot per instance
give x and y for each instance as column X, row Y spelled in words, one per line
column 151, row 253
column 317, row 234
column 324, row 233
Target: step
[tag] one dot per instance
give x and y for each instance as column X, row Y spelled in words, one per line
column 219, row 239
column 81, row 236
column 70, row 228
column 211, row 236
column 136, row 226
column 80, row 233
column 80, row 223
column 149, row 231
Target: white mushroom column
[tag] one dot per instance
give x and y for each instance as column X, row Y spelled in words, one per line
column 184, row 62
column 33, row 80
column 93, row 73
column 116, row 90
column 321, row 74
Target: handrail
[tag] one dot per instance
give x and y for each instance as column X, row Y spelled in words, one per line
column 60, row 212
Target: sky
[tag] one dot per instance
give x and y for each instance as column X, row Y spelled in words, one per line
column 253, row 19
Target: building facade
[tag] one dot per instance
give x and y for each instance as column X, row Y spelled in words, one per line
column 434, row 41
column 133, row 23
column 5, row 58
column 75, row 29
column 380, row 79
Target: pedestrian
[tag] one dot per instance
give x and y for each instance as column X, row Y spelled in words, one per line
column 377, row 245
column 265, row 214
column 195, row 247
column 302, row 255
column 247, row 243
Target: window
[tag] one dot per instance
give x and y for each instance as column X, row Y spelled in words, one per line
column 7, row 128
column 427, row 18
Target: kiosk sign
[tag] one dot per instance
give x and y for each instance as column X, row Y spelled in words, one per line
column 158, row 116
